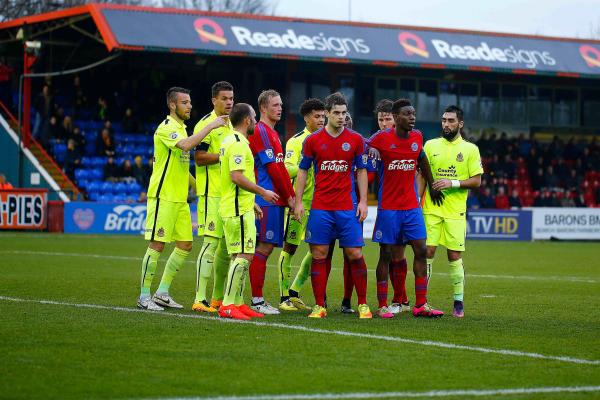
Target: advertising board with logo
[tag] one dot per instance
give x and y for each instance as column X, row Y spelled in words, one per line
column 499, row 225
column 566, row 223
column 23, row 208
column 271, row 37
column 89, row 217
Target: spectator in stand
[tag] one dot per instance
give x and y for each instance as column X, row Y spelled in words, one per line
column 573, row 181
column 514, row 201
column 107, row 147
column 553, row 200
column 67, row 127
column 130, row 123
column 524, row 145
column 571, row 150
column 103, row 112
column 55, row 130
column 483, row 144
column 501, row 201
column 579, row 200
column 4, row 184
column 72, row 158
column 555, row 150
column 485, row 198
column 552, row 180
column 472, row 201
column 45, row 107
column 494, row 167
column 532, row 162
column 143, row 197
column 503, row 143
column 509, row 167
column 127, row 172
column 561, row 170
column 140, row 171
column 111, row 170
column 539, row 180
column 79, row 97
column 79, row 139
column 567, row 200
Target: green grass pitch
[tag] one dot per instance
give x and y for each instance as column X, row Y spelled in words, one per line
column 523, row 298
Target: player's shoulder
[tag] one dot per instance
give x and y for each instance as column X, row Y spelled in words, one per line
column 433, row 142
column 469, row 145
column 380, row 134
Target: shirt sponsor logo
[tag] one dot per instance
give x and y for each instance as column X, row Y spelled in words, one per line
column 340, row 46
column 402, row 165
column 279, row 157
column 450, row 172
column 334, row 165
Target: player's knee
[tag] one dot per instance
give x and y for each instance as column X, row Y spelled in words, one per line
column 420, row 252
column 290, row 248
column 265, row 248
column 353, row 253
column 385, row 256
column 157, row 246
column 454, row 255
column 185, row 246
column 430, row 252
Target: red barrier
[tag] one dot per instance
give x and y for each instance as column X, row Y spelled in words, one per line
column 56, row 216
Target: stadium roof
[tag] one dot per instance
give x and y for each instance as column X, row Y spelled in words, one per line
column 196, row 32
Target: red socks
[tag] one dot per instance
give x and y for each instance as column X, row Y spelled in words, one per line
column 318, row 278
column 398, row 277
column 382, row 293
column 421, row 291
column 258, row 267
column 348, row 282
column 359, row 276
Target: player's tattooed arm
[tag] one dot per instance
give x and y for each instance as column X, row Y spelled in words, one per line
column 423, row 164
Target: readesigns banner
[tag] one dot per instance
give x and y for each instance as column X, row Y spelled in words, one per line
column 271, row 37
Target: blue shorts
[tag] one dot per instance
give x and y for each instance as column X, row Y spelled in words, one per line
column 270, row 228
column 325, row 226
column 399, row 226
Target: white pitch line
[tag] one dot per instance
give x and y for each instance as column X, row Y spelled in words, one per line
column 429, row 343
column 384, row 395
column 135, row 258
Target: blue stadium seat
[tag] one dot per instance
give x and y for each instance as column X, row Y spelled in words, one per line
column 134, row 188
column 93, row 195
column 90, row 136
column 86, row 161
column 97, row 174
column 93, row 186
column 120, row 198
column 127, row 150
column 106, row 187
column 81, row 174
column 106, row 198
column 90, row 148
column 120, row 188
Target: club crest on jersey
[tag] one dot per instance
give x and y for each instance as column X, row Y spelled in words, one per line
column 402, row 165
column 414, row 146
column 160, row 233
column 334, row 165
column 459, row 157
column 237, row 159
column 289, row 154
column 174, row 135
column 269, row 153
column 250, row 243
column 293, row 235
column 346, row 146
column 211, row 226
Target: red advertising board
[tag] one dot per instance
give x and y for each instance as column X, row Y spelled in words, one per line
column 23, row 208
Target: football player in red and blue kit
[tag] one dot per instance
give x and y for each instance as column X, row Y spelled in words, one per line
column 270, row 174
column 399, row 217
column 334, row 151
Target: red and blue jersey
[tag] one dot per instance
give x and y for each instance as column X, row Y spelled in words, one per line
column 399, row 159
column 334, row 160
column 266, row 148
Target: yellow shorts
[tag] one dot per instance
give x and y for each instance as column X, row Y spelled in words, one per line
column 168, row 222
column 209, row 221
column 295, row 230
column 450, row 233
column 240, row 233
